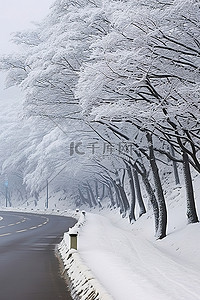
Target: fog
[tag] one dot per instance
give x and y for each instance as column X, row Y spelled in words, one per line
column 19, row 15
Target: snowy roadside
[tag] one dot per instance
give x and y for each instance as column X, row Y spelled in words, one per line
column 131, row 266
column 82, row 282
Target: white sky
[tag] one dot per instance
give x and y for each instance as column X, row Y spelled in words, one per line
column 17, row 15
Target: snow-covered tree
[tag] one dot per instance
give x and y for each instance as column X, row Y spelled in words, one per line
column 143, row 69
column 111, row 72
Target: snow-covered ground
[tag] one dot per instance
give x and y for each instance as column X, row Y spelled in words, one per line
column 131, row 264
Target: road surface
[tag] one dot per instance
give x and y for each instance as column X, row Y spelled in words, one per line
column 29, row 269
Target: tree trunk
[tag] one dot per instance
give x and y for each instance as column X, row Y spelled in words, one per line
column 103, row 191
column 161, row 233
column 89, row 200
column 132, row 193
column 123, row 178
column 140, row 168
column 119, row 199
column 191, row 209
column 93, row 200
column 96, row 188
column 111, row 195
column 83, row 199
column 153, row 201
column 139, row 194
column 123, row 197
column 176, row 176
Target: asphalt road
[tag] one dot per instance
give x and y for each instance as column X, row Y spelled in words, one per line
column 29, row 269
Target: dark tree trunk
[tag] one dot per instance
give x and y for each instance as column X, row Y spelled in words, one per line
column 103, row 191
column 139, row 194
column 110, row 194
column 123, row 197
column 93, row 200
column 132, row 193
column 153, row 200
column 83, row 199
column 89, row 200
column 175, row 167
column 140, row 168
column 117, row 196
column 119, row 199
column 96, row 188
column 161, row 233
column 123, row 178
column 191, row 209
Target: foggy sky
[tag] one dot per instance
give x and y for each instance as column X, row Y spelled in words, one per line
column 16, row 15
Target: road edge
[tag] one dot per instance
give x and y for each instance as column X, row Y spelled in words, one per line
column 81, row 282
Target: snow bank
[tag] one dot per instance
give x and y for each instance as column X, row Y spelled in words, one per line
column 83, row 284
column 131, row 264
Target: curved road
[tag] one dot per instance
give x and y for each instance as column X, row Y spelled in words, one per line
column 29, row 269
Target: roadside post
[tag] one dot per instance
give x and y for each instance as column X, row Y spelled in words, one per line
column 73, row 238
